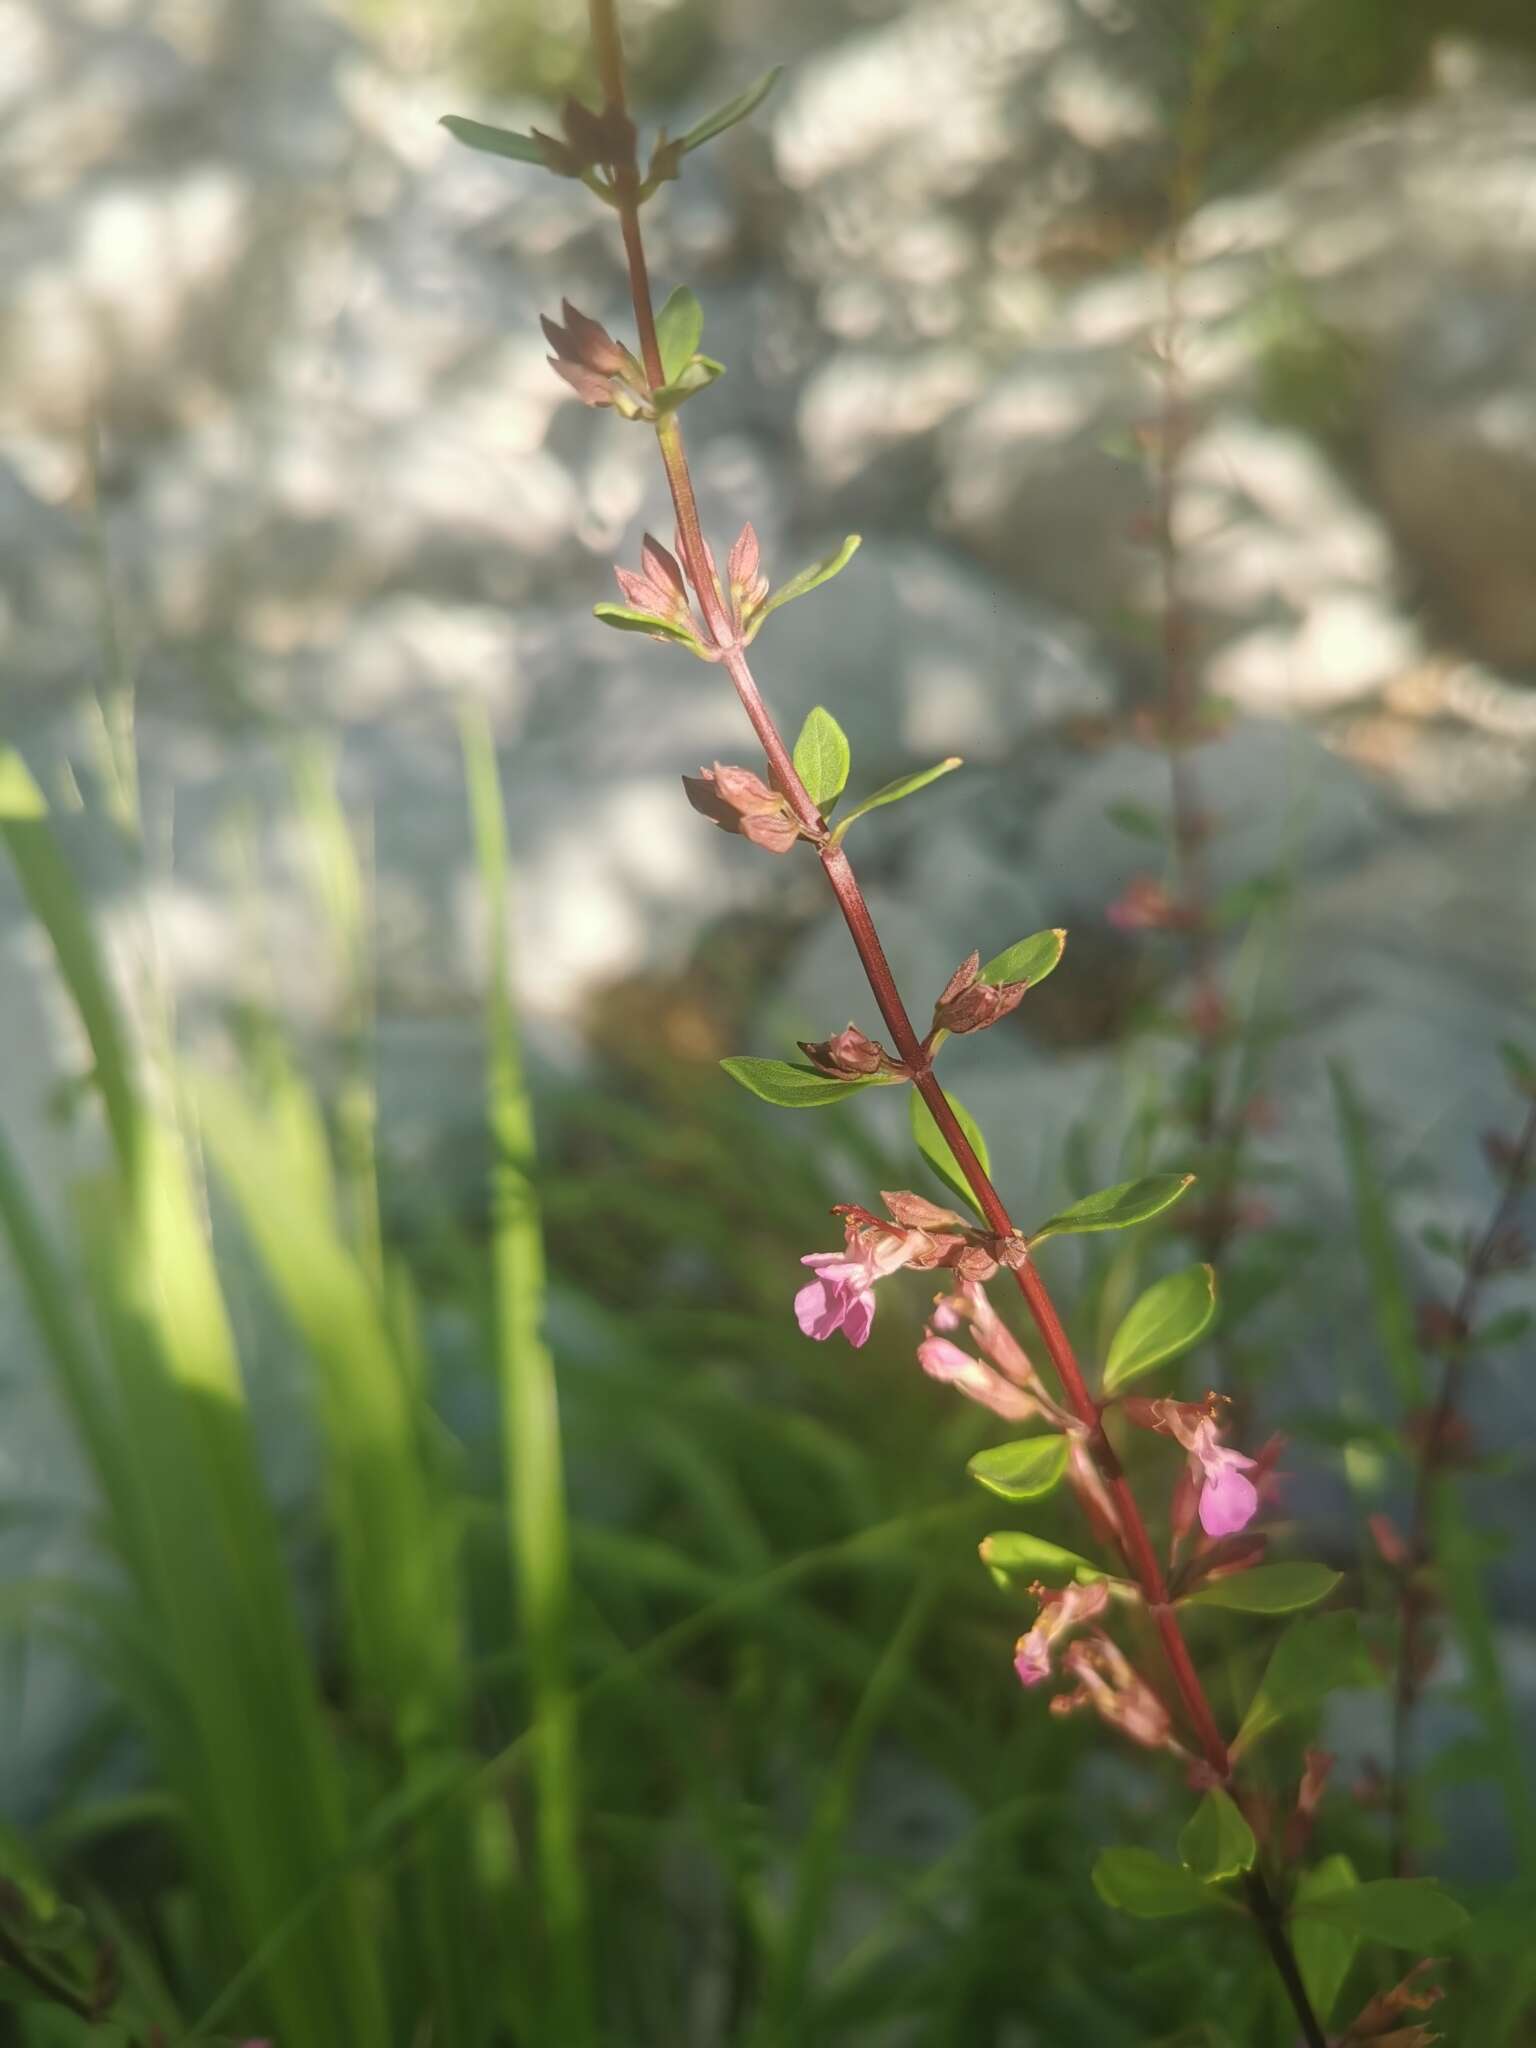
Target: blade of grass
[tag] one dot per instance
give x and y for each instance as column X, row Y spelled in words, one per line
column 533, row 1469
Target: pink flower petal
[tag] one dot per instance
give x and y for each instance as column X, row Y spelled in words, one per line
column 1228, row 1501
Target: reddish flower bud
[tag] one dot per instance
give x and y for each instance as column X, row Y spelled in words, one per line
column 970, row 1004
column 1119, row 1694
column 594, row 139
column 1391, row 1546
column 850, row 1052
column 597, row 368
column 658, row 586
column 738, row 801
column 1439, row 1328
column 748, row 585
column 1146, row 905
column 1380, row 2022
column 1309, row 1793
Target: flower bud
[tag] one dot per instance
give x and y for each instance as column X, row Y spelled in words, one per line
column 970, row 1004
column 748, row 585
column 738, row 801
column 849, row 1052
column 597, row 368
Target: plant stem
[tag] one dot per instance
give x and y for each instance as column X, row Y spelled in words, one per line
column 1432, row 1452
column 1135, row 1539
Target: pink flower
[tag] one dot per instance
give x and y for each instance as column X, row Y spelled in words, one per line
column 1228, row 1501
column 1060, row 1613
column 942, row 1360
column 841, row 1297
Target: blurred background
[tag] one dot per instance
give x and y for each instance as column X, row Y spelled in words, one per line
column 286, row 485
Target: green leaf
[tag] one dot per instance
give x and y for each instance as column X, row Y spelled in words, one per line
column 1011, row 1552
column 1508, row 1328
column 789, row 1085
column 1323, row 1952
column 1022, row 1470
column 934, row 1146
column 1402, row 1912
column 1139, row 820
column 20, row 797
column 696, row 375
column 625, row 619
column 494, row 141
column 733, row 111
column 822, row 757
column 1309, row 1661
column 1162, row 1324
column 1268, row 1589
column 807, row 580
column 1030, row 960
column 1216, row 1841
column 893, row 792
column 679, row 329
column 1117, row 1208
column 1143, row 1884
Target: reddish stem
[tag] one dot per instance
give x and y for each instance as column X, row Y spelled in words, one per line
column 1433, row 1443
column 1135, row 1539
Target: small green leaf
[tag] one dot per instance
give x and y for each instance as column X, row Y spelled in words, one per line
column 1022, row 1470
column 1268, row 1589
column 1520, row 1066
column 20, row 798
column 789, row 1085
column 1310, row 1660
column 1402, row 1912
column 893, row 792
column 695, row 376
column 822, row 758
column 625, row 619
column 1216, row 1841
column 1030, row 960
column 934, row 1146
column 808, row 579
column 1508, row 1328
column 1138, row 820
column 1009, row 1553
column 494, row 141
column 733, row 111
column 1173, row 1314
column 1143, row 1884
column 1117, row 1208
column 679, row 327
column 1323, row 1952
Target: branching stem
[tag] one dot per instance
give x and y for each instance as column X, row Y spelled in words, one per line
column 1136, row 1542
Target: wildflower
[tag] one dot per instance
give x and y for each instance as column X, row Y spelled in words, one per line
column 738, row 801
column 921, row 1235
column 1227, row 1500
column 967, row 1003
column 1061, row 1610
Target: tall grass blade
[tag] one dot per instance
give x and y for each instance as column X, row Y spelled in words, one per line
column 533, row 1471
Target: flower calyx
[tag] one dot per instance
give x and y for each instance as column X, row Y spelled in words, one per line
column 600, row 370
column 590, row 143
column 1106, row 1681
column 967, row 1003
column 738, row 801
column 850, row 1053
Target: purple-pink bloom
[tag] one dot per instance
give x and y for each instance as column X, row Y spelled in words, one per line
column 1228, row 1501
column 841, row 1297
column 1060, row 1613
